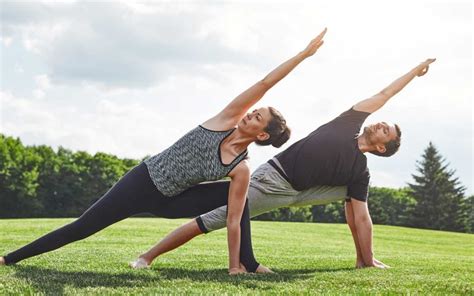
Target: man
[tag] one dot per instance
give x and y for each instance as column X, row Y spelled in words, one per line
column 327, row 165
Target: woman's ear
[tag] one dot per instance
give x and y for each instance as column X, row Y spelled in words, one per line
column 263, row 136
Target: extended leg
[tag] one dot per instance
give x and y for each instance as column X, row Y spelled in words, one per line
column 127, row 197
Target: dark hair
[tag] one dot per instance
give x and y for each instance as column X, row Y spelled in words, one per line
column 391, row 146
column 277, row 129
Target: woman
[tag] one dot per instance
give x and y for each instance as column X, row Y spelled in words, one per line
column 213, row 150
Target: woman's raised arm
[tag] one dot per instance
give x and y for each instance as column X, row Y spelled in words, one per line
column 239, row 106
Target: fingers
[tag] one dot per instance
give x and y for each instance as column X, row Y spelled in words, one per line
column 423, row 71
column 428, row 61
column 424, row 67
column 321, row 35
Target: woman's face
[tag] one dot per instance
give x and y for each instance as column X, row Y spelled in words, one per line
column 255, row 122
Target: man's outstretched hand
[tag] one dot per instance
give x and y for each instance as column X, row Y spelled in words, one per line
column 422, row 69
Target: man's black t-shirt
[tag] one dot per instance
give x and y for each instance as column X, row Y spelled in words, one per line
column 330, row 156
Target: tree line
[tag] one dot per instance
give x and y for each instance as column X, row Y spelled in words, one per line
column 36, row 181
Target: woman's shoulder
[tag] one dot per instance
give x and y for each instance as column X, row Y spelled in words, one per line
column 218, row 124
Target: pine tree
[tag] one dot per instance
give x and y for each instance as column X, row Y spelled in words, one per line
column 440, row 201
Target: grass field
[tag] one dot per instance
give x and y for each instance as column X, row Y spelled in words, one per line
column 308, row 258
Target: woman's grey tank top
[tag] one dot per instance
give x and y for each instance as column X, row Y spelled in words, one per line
column 192, row 159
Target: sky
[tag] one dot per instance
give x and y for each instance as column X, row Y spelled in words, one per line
column 130, row 78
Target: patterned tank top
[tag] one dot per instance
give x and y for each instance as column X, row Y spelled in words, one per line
column 192, row 159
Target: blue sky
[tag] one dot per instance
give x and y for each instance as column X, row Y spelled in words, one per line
column 129, row 78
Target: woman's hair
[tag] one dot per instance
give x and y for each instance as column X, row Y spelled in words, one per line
column 277, row 129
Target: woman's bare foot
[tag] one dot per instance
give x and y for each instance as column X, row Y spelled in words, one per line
column 263, row 269
column 2, row 261
column 139, row 263
column 237, row 270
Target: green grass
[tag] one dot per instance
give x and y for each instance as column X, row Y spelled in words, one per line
column 309, row 258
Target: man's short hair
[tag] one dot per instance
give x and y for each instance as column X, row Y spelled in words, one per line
column 392, row 146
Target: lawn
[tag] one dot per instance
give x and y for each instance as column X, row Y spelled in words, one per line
column 308, row 258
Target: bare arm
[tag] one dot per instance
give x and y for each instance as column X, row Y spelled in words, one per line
column 237, row 193
column 239, row 106
column 374, row 103
column 363, row 224
column 350, row 221
column 363, row 229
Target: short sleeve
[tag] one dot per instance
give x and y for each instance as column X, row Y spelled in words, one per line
column 359, row 189
column 349, row 122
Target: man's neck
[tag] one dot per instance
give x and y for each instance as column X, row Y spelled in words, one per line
column 363, row 145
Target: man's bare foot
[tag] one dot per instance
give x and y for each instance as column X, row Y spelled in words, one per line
column 263, row 269
column 2, row 261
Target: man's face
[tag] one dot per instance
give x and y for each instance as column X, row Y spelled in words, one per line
column 380, row 133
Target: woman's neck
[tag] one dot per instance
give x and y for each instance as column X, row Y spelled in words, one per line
column 237, row 141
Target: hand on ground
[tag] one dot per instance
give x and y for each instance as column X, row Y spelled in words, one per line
column 380, row 263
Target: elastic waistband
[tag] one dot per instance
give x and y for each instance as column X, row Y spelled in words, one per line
column 275, row 164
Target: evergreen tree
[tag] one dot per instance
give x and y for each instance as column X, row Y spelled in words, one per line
column 470, row 214
column 440, row 202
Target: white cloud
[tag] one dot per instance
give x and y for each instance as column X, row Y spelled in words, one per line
column 6, row 41
column 19, row 69
column 117, row 45
column 43, row 84
column 38, row 93
column 42, row 81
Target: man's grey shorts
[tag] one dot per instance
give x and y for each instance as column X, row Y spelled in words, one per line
column 268, row 190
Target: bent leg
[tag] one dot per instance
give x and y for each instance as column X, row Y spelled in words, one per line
column 127, row 197
column 247, row 257
column 192, row 202
column 173, row 240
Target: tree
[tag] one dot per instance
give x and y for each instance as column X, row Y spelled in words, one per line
column 440, row 202
column 329, row 213
column 294, row 214
column 390, row 206
column 470, row 214
column 18, row 178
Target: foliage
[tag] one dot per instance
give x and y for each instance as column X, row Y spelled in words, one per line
column 37, row 181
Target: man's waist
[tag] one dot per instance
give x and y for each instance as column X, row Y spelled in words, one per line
column 277, row 166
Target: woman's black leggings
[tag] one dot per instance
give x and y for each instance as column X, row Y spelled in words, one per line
column 135, row 193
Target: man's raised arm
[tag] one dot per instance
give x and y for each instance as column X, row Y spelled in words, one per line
column 374, row 103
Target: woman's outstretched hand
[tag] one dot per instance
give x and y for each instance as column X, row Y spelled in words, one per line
column 315, row 44
column 422, row 69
